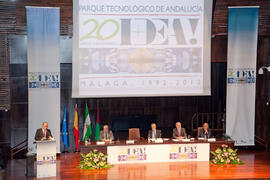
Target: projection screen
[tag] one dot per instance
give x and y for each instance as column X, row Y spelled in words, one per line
column 141, row 48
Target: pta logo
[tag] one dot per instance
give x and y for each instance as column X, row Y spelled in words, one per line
column 241, row 76
column 132, row 154
column 44, row 79
column 133, row 151
column 183, row 152
column 181, row 31
column 46, row 159
column 184, row 149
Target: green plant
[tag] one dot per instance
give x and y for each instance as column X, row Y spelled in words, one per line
column 225, row 155
column 94, row 160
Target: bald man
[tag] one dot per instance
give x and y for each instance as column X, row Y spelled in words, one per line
column 106, row 134
column 154, row 132
column 43, row 133
column 206, row 131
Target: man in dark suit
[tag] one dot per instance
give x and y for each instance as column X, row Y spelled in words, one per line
column 43, row 133
column 154, row 132
column 206, row 131
column 106, row 134
column 179, row 132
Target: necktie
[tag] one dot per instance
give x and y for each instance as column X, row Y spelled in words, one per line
column 179, row 134
column 44, row 134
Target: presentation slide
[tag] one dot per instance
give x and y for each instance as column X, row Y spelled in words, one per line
column 141, row 48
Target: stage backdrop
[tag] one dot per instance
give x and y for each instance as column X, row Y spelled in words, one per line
column 43, row 26
column 241, row 74
column 141, row 48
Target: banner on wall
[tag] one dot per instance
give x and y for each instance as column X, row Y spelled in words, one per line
column 141, row 48
column 241, row 74
column 43, row 29
column 165, row 153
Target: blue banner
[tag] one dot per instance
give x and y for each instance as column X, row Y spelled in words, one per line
column 241, row 74
column 43, row 35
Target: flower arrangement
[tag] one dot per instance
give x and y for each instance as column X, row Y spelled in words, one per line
column 94, row 160
column 225, row 155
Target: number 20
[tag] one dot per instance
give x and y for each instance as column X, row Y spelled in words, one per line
column 97, row 28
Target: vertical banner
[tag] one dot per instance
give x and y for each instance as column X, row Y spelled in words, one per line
column 241, row 74
column 43, row 29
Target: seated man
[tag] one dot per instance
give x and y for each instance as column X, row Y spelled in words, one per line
column 179, row 132
column 154, row 132
column 43, row 133
column 106, row 134
column 205, row 132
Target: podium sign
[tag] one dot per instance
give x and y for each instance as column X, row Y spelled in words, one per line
column 184, row 152
column 46, row 158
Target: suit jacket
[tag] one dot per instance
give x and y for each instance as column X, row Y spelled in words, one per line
column 39, row 134
column 103, row 134
column 158, row 133
column 206, row 135
column 182, row 133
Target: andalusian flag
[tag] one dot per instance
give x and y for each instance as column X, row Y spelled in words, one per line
column 97, row 132
column 87, row 131
column 76, row 129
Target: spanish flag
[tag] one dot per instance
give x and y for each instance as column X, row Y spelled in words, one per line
column 76, row 129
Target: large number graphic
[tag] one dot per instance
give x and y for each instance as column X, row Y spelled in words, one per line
column 95, row 32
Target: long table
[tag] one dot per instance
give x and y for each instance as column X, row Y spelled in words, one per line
column 169, row 151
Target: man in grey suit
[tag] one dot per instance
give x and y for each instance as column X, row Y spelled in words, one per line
column 179, row 132
column 106, row 134
column 154, row 132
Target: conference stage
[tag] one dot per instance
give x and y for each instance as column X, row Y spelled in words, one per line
column 113, row 89
column 257, row 165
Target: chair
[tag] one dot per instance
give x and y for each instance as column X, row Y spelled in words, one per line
column 199, row 131
column 134, row 134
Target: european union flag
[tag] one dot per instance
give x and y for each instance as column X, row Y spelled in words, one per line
column 65, row 129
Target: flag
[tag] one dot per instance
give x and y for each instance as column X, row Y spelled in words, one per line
column 65, row 129
column 97, row 129
column 87, row 130
column 76, row 129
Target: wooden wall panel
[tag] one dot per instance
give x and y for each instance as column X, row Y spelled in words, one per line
column 262, row 126
column 7, row 16
column 4, row 74
column 219, row 49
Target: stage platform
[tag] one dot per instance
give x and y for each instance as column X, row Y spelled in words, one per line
column 257, row 165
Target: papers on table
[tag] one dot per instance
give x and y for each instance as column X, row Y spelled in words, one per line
column 185, row 140
column 100, row 143
column 211, row 139
column 159, row 140
column 130, row 141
